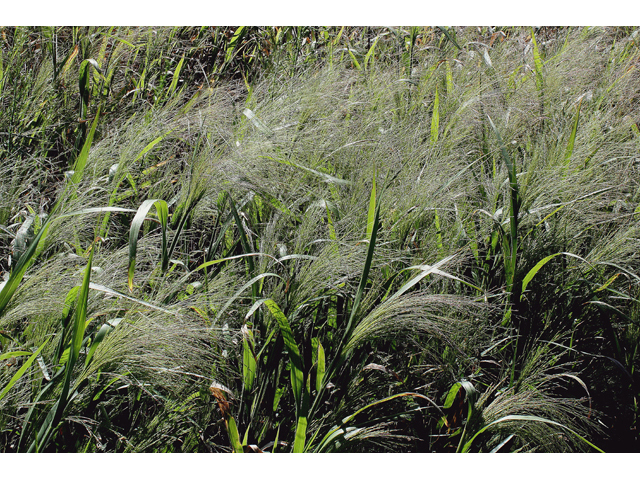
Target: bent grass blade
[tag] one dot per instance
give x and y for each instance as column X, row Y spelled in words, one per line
column 526, row 418
column 163, row 215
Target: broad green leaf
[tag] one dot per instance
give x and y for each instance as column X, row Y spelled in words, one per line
column 249, row 363
column 297, row 376
column 450, row 37
column 234, row 436
column 320, row 369
column 511, row 243
column 79, row 324
column 365, row 275
column 300, row 438
column 54, row 416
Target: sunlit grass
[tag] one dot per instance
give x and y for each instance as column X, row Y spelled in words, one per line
column 305, row 239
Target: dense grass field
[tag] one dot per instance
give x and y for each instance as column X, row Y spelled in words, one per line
column 288, row 239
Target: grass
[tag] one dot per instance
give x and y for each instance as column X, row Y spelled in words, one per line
column 294, row 239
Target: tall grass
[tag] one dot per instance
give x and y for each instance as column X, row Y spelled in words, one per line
column 293, row 239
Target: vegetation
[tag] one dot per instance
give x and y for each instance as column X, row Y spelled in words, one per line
column 293, row 239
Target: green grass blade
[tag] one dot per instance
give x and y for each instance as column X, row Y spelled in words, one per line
column 19, row 353
column 332, row 228
column 526, row 418
column 242, row 289
column 354, row 59
column 340, row 430
column 152, row 144
column 176, row 76
column 81, row 161
column 77, row 336
column 226, row 259
column 301, row 434
column 320, row 369
column 249, row 362
column 234, row 436
column 325, row 176
column 365, row 275
column 426, row 270
column 371, row 215
column 532, row 273
column 102, row 333
column 297, row 376
column 450, row 37
column 449, row 77
column 110, row 291
column 237, row 35
column 19, row 270
column 435, row 119
column 369, row 57
column 18, row 375
column 510, row 253
column 537, row 60
column 243, row 236
column 163, row 215
column 572, row 137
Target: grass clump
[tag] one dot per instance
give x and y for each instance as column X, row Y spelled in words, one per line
column 293, row 239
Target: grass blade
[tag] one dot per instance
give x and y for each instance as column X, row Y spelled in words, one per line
column 368, row 58
column 81, row 161
column 110, row 291
column 371, row 215
column 572, row 137
column 234, row 436
column 297, row 376
column 301, row 433
column 249, row 363
column 19, row 270
column 526, row 418
column 532, row 273
column 18, row 375
column 163, row 214
column 320, row 369
column 435, row 119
